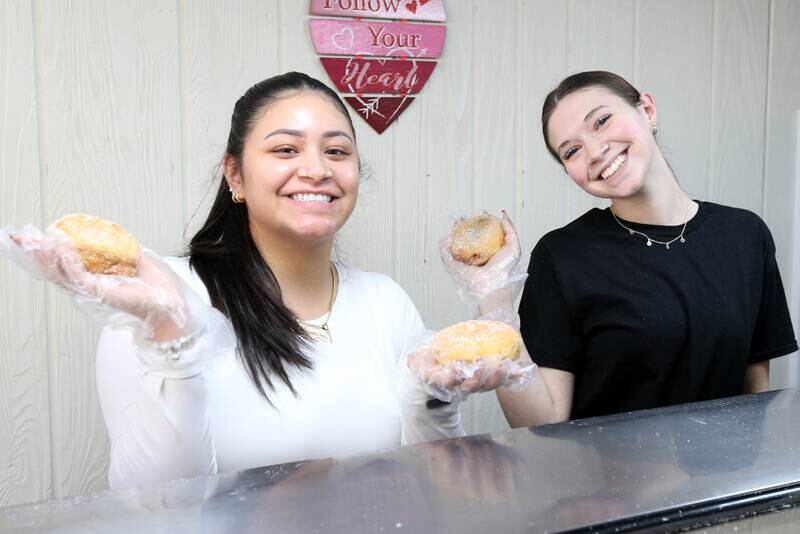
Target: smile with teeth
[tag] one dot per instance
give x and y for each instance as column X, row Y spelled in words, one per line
column 311, row 197
column 611, row 169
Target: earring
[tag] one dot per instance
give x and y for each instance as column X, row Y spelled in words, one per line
column 654, row 130
column 235, row 196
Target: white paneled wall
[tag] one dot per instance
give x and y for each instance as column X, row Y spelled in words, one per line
column 122, row 109
column 781, row 174
column 25, row 438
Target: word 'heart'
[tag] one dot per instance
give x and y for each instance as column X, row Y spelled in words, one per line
column 377, row 55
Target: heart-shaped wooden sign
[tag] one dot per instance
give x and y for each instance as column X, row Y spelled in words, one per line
column 378, row 53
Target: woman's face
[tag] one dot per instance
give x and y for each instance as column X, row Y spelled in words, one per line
column 299, row 170
column 604, row 143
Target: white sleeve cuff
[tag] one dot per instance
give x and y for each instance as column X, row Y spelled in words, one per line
column 187, row 357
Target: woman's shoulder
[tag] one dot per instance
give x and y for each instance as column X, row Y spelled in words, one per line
column 580, row 229
column 181, row 266
column 368, row 282
column 177, row 263
column 722, row 210
column 733, row 218
column 355, row 276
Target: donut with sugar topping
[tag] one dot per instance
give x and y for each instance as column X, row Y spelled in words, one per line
column 470, row 341
column 477, row 239
column 104, row 247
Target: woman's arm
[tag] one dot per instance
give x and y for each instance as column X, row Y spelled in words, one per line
column 548, row 398
column 422, row 417
column 155, row 402
column 756, row 377
column 158, row 425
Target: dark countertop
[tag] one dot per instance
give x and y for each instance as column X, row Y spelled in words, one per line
column 668, row 468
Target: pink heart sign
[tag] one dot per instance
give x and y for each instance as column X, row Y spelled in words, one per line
column 378, row 52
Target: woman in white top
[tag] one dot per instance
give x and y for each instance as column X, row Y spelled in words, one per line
column 260, row 350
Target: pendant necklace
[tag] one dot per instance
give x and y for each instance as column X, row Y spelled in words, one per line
column 322, row 332
column 649, row 240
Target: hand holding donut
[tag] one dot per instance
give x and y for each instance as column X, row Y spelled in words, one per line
column 471, row 357
column 103, row 268
column 482, row 256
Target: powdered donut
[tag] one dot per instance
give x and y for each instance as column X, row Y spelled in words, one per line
column 104, row 247
column 472, row 340
column 477, row 239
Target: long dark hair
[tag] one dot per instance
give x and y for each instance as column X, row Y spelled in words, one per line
column 583, row 80
column 225, row 256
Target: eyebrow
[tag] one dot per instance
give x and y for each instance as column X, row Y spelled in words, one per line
column 585, row 119
column 298, row 133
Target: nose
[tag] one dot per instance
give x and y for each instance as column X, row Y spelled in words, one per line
column 314, row 167
column 598, row 149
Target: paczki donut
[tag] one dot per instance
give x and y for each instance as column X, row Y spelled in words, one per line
column 477, row 239
column 103, row 246
column 472, row 340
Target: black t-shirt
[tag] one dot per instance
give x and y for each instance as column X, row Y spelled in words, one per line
column 642, row 326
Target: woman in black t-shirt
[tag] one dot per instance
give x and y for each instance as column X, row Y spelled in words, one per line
column 656, row 300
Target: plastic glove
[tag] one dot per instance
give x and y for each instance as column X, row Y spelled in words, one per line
column 455, row 381
column 501, row 272
column 423, row 421
column 154, row 297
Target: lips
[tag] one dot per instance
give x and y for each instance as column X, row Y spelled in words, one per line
column 613, row 167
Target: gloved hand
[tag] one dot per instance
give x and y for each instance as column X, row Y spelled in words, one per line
column 153, row 299
column 500, row 278
column 423, row 379
column 458, row 379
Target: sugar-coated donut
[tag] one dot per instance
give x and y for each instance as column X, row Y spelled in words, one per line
column 477, row 239
column 472, row 340
column 103, row 246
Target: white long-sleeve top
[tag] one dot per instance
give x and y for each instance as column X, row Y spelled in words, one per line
column 201, row 413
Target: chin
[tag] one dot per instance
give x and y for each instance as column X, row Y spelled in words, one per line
column 316, row 233
column 315, row 236
column 630, row 185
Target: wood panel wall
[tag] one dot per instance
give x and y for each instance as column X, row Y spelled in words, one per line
column 122, row 109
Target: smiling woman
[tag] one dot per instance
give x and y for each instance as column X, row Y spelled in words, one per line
column 319, row 348
column 656, row 300
column 292, row 165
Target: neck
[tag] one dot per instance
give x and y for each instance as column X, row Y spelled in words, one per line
column 661, row 200
column 303, row 271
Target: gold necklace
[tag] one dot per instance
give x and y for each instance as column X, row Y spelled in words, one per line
column 322, row 332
